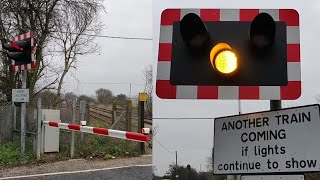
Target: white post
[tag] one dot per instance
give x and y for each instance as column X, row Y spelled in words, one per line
column 72, row 132
column 236, row 177
column 23, row 116
column 39, row 129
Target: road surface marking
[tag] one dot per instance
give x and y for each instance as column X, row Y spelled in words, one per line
column 73, row 172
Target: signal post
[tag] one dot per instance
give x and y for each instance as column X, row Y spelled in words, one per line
column 21, row 51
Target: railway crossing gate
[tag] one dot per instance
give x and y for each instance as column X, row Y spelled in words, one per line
column 49, row 125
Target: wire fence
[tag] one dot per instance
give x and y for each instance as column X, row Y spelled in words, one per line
column 6, row 124
column 123, row 117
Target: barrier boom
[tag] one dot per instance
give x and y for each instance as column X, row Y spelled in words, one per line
column 132, row 136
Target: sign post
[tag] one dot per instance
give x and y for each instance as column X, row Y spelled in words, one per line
column 23, row 115
column 142, row 99
column 281, row 141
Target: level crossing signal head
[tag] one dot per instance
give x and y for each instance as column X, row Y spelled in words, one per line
column 19, row 51
column 262, row 31
column 229, row 53
column 223, row 59
column 193, row 31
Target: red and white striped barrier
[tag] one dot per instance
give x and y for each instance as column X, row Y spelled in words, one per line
column 132, row 136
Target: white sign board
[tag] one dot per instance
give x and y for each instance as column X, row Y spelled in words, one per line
column 274, row 177
column 20, row 95
column 286, row 140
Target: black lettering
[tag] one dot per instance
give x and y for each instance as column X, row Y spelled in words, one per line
column 245, row 166
column 275, row 165
column 295, row 162
column 251, row 165
column 252, row 122
column 239, row 124
column 261, row 135
column 278, row 119
column 303, row 164
column 237, row 165
column 264, row 152
column 231, row 125
column 245, row 123
column 258, row 165
column 312, row 163
column 244, row 140
column 282, row 134
column 288, row 165
column 306, row 117
column 269, row 162
column 220, row 167
column 285, row 119
column 294, row 118
column 270, row 150
column 276, row 149
column 225, row 167
column 258, row 122
column 282, row 150
column 252, row 136
column 265, row 121
column 273, row 134
column 231, row 167
column 224, row 127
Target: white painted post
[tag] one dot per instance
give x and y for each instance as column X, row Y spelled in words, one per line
column 74, row 101
column 39, row 128
column 23, row 116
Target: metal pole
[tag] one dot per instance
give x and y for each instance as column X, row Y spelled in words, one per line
column 275, row 104
column 39, row 117
column 177, row 176
column 130, row 91
column 82, row 119
column 142, row 124
column 236, row 177
column 72, row 132
column 23, row 116
column 14, row 109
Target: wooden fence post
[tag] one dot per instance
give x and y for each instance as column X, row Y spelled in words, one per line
column 128, row 115
column 114, row 111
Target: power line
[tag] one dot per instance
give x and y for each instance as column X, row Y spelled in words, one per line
column 111, row 83
column 108, row 36
column 163, row 146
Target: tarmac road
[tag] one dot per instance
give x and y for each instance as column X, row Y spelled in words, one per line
column 139, row 172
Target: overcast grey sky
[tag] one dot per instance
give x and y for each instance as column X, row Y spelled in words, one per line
column 193, row 139
column 120, row 61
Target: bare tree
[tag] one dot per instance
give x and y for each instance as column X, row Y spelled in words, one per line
column 75, row 31
column 48, row 18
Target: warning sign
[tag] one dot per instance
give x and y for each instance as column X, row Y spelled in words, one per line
column 286, row 140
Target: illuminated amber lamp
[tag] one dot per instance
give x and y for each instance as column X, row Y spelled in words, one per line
column 223, row 58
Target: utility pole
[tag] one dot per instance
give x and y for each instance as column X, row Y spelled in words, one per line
column 129, row 90
column 177, row 175
column 23, row 116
